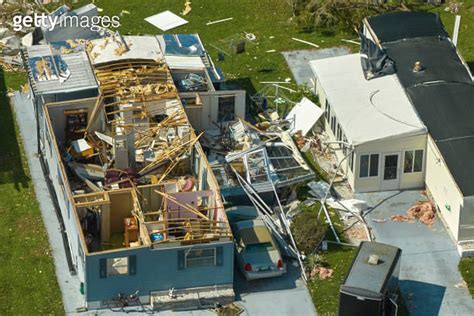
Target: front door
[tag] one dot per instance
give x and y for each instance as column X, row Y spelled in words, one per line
column 390, row 173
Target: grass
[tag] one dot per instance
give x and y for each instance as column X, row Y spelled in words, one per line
column 28, row 284
column 269, row 20
column 466, row 266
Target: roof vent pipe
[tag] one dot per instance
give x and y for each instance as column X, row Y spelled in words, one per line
column 418, row 67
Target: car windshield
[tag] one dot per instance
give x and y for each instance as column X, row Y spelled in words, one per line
column 262, row 247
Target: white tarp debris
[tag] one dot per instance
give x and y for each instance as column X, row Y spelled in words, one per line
column 166, row 20
column 109, row 140
column 303, row 116
column 319, row 189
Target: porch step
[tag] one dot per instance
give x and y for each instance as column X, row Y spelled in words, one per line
column 466, row 248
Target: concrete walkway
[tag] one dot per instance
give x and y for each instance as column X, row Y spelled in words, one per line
column 298, row 61
column 429, row 268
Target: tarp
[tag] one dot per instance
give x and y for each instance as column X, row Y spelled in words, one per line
column 374, row 60
column 303, row 116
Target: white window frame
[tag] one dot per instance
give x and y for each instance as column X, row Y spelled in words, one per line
column 368, row 165
column 413, row 164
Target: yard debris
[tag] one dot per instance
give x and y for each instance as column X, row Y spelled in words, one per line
column 424, row 211
column 166, row 20
column 322, row 272
column 305, row 42
column 232, row 309
column 219, row 21
column 187, row 7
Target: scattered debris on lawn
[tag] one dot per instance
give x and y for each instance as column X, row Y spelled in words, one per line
column 304, row 42
column 321, row 272
column 425, row 212
column 219, row 21
column 187, row 7
column 166, row 20
column 232, row 309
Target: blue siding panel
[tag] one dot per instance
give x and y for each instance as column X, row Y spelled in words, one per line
column 157, row 270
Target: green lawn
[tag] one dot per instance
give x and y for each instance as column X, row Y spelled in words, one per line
column 466, row 266
column 28, row 284
column 267, row 19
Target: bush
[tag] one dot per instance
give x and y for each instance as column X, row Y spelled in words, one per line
column 308, row 231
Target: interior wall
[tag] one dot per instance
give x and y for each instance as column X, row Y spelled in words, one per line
column 121, row 205
column 58, row 119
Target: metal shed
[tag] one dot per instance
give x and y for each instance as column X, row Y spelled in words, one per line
column 372, row 281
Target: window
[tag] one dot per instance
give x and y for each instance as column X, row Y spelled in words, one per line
column 200, row 258
column 413, row 161
column 226, row 109
column 369, row 166
column 333, row 124
column 339, row 132
column 257, row 171
column 351, row 162
column 118, row 266
column 327, row 113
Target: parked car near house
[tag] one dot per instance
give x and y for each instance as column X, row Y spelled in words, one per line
column 256, row 251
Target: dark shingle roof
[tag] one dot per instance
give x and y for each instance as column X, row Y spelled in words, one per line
column 403, row 25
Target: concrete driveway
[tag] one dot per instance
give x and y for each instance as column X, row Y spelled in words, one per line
column 429, row 269
column 284, row 295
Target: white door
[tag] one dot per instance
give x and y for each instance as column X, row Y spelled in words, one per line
column 390, row 172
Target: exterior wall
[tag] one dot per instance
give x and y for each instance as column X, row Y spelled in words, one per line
column 201, row 117
column 444, row 189
column 392, row 146
column 396, row 145
column 57, row 176
column 157, row 270
column 466, row 221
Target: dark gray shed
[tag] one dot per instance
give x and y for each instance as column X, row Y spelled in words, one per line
column 372, row 281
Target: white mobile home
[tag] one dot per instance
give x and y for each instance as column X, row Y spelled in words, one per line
column 441, row 90
column 375, row 121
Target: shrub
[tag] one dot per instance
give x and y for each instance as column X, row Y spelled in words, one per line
column 308, row 231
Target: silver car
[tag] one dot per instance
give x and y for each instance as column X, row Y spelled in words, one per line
column 256, row 251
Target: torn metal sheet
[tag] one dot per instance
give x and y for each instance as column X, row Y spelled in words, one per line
column 303, row 116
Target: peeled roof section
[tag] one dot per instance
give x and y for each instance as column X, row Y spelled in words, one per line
column 77, row 64
column 402, row 25
column 366, row 110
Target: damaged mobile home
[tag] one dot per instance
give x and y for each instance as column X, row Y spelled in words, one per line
column 139, row 202
column 403, row 119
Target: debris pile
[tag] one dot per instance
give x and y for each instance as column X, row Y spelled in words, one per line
column 322, row 272
column 425, row 212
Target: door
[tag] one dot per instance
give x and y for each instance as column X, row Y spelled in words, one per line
column 390, row 172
